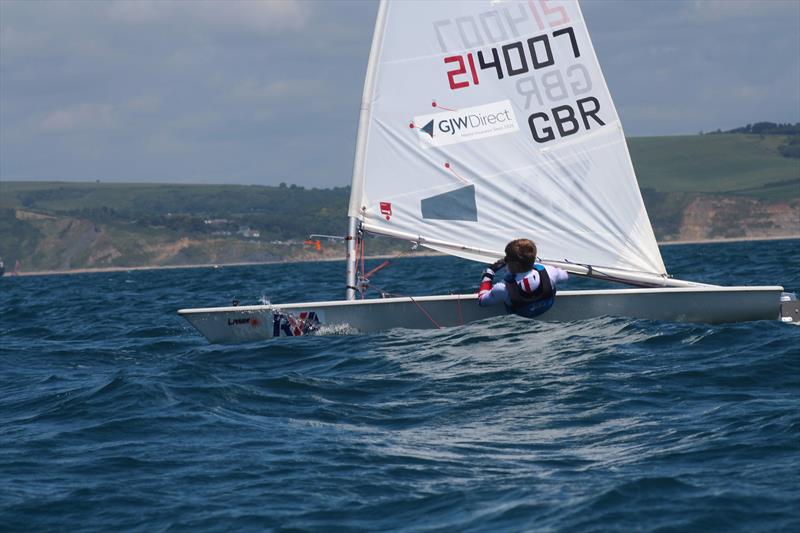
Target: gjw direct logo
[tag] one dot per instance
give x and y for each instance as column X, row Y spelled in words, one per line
column 428, row 128
column 467, row 124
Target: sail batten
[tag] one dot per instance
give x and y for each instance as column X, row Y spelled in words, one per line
column 483, row 122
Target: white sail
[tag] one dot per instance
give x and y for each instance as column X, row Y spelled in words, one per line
column 484, row 121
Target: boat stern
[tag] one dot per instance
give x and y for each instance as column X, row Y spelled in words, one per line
column 790, row 308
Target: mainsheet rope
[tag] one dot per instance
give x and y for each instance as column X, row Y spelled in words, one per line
column 363, row 286
column 419, row 306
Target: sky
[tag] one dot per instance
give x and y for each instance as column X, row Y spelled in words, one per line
column 263, row 92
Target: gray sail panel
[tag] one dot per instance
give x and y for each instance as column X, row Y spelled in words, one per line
column 453, row 205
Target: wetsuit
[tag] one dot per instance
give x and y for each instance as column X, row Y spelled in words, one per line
column 528, row 294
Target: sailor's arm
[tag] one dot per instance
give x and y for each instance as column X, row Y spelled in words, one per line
column 488, row 294
column 556, row 274
column 496, row 295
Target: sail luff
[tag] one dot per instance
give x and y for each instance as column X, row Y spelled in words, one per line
column 359, row 161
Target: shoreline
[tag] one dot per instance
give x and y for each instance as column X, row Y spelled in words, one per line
column 731, row 239
column 332, row 259
column 212, row 266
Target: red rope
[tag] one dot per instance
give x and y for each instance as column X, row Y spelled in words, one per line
column 362, row 266
column 377, row 268
column 360, row 253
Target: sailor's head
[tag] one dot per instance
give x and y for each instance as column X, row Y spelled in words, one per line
column 520, row 255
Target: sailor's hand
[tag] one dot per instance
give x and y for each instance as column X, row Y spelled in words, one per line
column 491, row 270
column 488, row 276
column 497, row 265
column 486, row 280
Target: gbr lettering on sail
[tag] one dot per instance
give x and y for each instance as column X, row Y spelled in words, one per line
column 535, row 47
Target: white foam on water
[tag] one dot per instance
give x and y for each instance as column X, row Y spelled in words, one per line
column 335, row 329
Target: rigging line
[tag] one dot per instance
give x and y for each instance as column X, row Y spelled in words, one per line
column 419, row 306
column 449, row 167
column 364, row 289
column 359, row 251
column 608, row 277
column 425, row 313
column 364, row 277
column 595, row 268
column 460, row 315
column 376, row 269
column 386, row 263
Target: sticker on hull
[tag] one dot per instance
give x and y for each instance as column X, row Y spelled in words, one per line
column 291, row 325
column 244, row 321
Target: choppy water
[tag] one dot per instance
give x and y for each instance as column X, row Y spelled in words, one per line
column 115, row 414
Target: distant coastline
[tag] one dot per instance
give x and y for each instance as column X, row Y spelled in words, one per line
column 61, row 227
column 338, row 258
column 212, row 266
column 733, row 239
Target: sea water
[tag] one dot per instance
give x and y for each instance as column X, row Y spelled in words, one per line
column 116, row 415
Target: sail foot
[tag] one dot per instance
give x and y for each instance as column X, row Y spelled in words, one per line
column 628, row 277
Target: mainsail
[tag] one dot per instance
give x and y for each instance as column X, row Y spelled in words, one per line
column 485, row 121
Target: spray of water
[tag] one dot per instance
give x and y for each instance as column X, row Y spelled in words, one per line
column 335, row 329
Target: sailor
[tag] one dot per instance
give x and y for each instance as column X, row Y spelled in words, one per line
column 529, row 288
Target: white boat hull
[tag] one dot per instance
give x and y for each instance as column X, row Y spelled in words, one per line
column 697, row 304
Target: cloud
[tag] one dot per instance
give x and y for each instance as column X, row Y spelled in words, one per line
column 255, row 91
column 187, row 90
column 242, row 15
column 681, row 67
column 136, row 13
column 20, row 39
column 83, row 117
column 144, row 104
column 718, row 10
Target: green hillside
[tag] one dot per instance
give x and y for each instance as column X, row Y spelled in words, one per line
column 287, row 210
column 749, row 165
column 695, row 187
column 60, row 225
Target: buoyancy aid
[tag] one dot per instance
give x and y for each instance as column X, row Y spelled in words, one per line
column 531, row 303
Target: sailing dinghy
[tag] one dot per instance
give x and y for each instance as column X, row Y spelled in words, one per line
column 481, row 122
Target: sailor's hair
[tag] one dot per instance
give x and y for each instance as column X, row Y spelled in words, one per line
column 522, row 252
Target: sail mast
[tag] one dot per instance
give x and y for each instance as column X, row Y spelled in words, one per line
column 357, row 182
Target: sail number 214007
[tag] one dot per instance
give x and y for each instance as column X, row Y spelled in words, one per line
column 517, row 58
column 567, row 116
